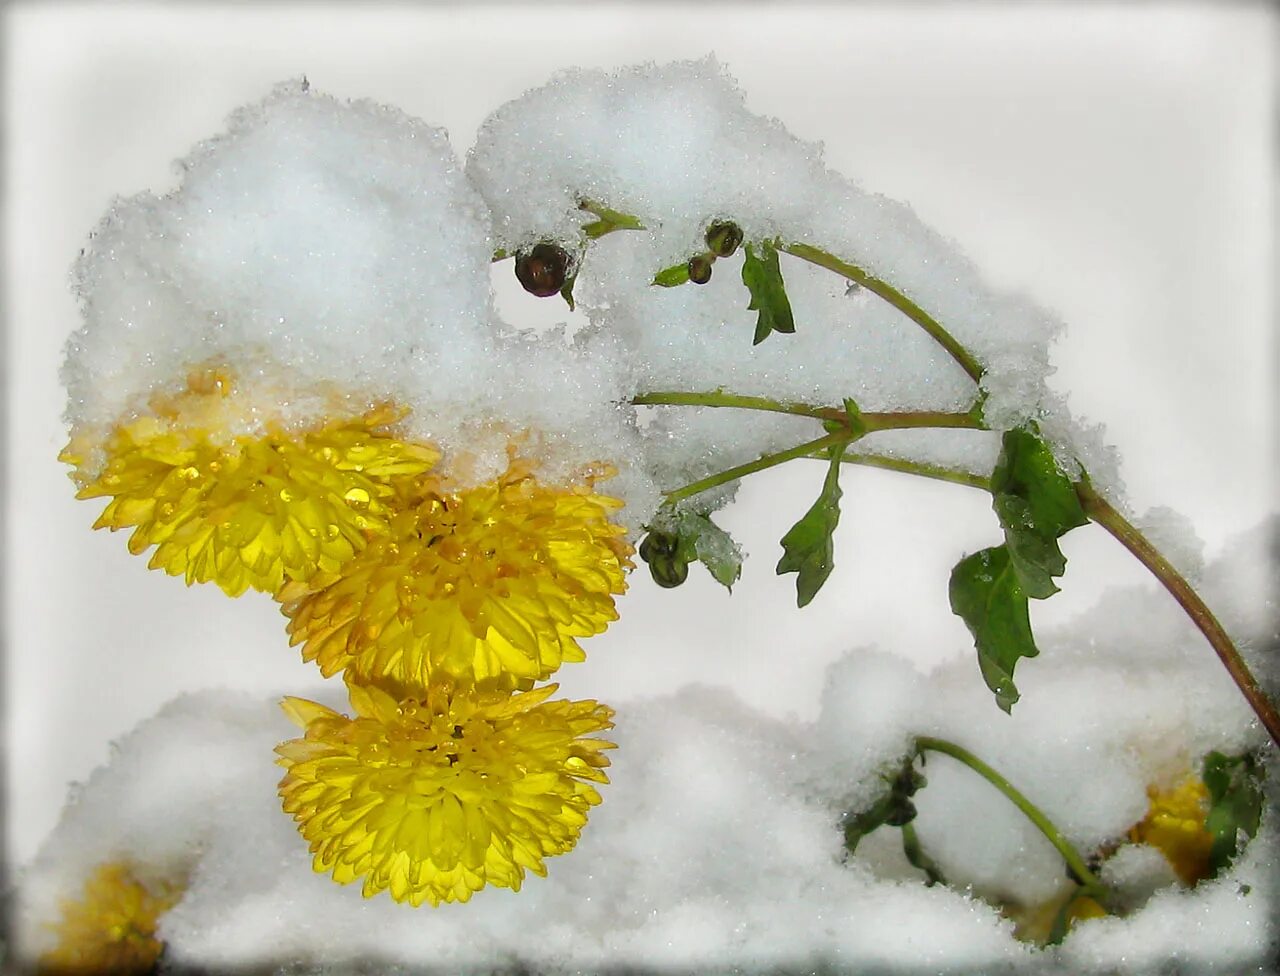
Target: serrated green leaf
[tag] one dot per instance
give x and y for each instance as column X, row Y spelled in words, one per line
column 1235, row 804
column 1036, row 504
column 986, row 594
column 567, row 291
column 677, row 274
column 763, row 279
column 808, row 547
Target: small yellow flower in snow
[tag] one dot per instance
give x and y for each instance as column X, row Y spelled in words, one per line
column 435, row 796
column 1175, row 825
column 247, row 511
column 489, row 584
column 112, row 928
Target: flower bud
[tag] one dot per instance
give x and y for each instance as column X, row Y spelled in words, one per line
column 543, row 270
column 723, row 238
column 700, row 269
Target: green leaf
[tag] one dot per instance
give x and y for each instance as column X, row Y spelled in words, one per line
column 808, row 549
column 677, row 274
column 607, row 221
column 1036, row 504
column 763, row 279
column 713, row 547
column 986, row 594
column 567, row 291
column 1235, row 804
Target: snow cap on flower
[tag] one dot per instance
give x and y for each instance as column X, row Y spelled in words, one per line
column 434, row 796
column 248, row 510
column 316, row 242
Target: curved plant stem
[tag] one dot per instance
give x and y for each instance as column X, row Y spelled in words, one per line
column 1075, row 862
column 821, row 444
column 897, row 299
column 1098, row 509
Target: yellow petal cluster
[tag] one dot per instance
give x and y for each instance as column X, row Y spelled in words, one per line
column 436, row 795
column 1175, row 824
column 248, row 511
column 111, row 928
column 492, row 583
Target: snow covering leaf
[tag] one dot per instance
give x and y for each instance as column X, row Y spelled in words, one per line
column 893, row 807
column 692, row 537
column 713, row 547
column 986, row 594
column 1036, row 504
column 808, row 549
column 677, row 274
column 763, row 279
column 1235, row 804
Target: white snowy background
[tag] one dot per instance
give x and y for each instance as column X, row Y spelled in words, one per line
column 1114, row 164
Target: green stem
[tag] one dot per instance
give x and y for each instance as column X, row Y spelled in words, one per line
column 887, row 420
column 1098, row 509
column 718, row 398
column 922, row 468
column 760, row 464
column 897, row 299
column 1075, row 862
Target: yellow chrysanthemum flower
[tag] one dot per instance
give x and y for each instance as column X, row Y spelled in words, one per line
column 247, row 511
column 434, row 797
column 112, row 928
column 492, row 583
column 1175, row 824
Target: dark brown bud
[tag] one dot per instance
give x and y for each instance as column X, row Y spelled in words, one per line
column 542, row 271
column 700, row 269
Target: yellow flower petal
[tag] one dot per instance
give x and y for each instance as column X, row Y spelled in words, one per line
column 457, row 789
column 1175, row 824
column 492, row 583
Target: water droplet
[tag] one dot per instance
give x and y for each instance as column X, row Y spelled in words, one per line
column 357, row 496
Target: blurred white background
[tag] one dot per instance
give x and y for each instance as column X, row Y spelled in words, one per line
column 1116, row 164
